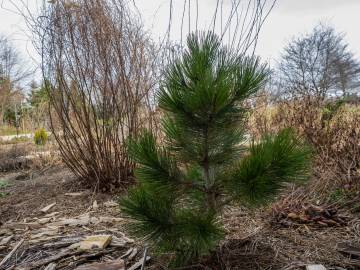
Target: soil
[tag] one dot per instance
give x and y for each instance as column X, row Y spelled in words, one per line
column 28, row 192
column 252, row 242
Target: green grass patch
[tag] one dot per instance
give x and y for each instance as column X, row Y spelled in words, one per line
column 10, row 130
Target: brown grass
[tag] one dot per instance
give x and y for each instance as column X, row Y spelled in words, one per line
column 333, row 133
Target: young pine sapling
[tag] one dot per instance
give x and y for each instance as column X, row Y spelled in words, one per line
column 204, row 163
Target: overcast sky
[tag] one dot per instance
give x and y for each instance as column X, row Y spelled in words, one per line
column 288, row 19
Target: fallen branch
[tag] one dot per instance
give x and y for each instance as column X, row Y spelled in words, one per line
column 7, row 257
column 50, row 259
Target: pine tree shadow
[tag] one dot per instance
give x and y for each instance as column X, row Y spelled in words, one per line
column 243, row 254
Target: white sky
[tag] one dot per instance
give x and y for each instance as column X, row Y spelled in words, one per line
column 288, row 19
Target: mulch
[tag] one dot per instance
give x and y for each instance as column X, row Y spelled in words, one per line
column 255, row 240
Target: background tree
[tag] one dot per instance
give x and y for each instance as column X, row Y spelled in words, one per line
column 205, row 164
column 12, row 73
column 317, row 63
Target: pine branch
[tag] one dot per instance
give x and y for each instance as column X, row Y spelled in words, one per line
column 271, row 163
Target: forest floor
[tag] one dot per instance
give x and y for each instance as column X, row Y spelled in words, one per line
column 253, row 240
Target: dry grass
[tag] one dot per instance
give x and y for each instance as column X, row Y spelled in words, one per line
column 252, row 242
column 26, row 155
column 333, row 131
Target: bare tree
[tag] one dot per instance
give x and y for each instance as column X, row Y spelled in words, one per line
column 318, row 63
column 12, row 73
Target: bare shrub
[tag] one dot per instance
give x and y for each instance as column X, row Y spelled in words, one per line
column 12, row 157
column 98, row 64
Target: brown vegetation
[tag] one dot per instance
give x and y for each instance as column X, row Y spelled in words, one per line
column 99, row 67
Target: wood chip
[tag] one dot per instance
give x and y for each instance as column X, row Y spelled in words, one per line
column 113, row 265
column 50, row 259
column 44, row 220
column 139, row 263
column 118, row 242
column 79, row 221
column 43, row 233
column 51, row 266
column 5, row 232
column 6, row 240
column 111, row 204
column 110, row 219
column 74, row 194
column 22, row 225
column 133, row 254
column 53, row 214
column 127, row 253
column 349, row 249
column 7, row 257
column 47, row 208
column 95, row 241
column 315, row 267
column 95, row 205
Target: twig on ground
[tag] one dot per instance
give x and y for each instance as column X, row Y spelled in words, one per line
column 7, row 257
column 144, row 259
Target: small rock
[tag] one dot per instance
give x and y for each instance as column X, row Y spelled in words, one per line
column 47, row 208
column 95, row 241
column 315, row 267
column 113, row 265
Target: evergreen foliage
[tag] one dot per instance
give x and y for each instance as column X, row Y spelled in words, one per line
column 204, row 163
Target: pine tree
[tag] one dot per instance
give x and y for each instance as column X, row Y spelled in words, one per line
column 204, row 164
